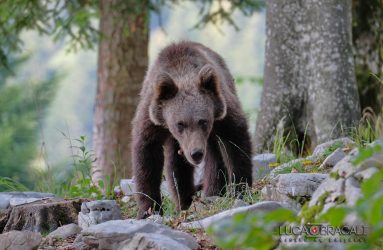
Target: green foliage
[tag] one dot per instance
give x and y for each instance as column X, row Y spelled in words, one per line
column 287, row 145
column 252, row 79
column 74, row 181
column 250, row 231
column 308, row 213
column 257, row 230
column 369, row 128
column 297, row 167
column 76, row 19
column 59, row 19
column 365, row 153
column 8, row 184
column 217, row 12
column 78, row 182
column 22, row 106
column 335, row 216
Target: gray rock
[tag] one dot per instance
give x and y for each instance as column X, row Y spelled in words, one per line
column 293, row 189
column 366, row 173
column 158, row 219
column 4, row 200
column 127, row 199
column 211, row 199
column 333, row 159
column 65, row 231
column 344, row 142
column 263, row 206
column 111, row 234
column 374, row 161
column 96, row 212
column 261, row 164
column 20, row 240
column 142, row 241
column 19, row 198
column 165, row 188
column 240, row 203
column 344, row 168
column 127, row 186
column 376, row 142
column 352, row 191
column 43, row 216
column 280, row 169
column 298, row 184
column 20, row 201
column 117, row 190
column 334, row 189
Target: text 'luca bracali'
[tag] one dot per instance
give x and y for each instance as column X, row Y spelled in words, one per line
column 323, row 233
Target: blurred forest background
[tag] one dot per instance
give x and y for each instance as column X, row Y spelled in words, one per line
column 48, row 97
column 72, row 76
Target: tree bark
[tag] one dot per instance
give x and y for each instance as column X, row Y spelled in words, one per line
column 122, row 63
column 309, row 80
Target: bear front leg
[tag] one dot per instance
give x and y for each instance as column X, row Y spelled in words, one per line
column 234, row 134
column 148, row 159
column 179, row 175
column 215, row 173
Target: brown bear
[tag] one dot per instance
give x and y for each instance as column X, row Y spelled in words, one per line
column 188, row 114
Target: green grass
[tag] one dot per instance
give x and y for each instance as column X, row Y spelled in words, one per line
column 280, row 147
column 72, row 182
column 369, row 128
column 9, row 184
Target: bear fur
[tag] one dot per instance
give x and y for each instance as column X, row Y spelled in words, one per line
column 188, row 114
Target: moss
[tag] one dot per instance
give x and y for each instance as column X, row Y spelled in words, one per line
column 328, row 151
column 308, row 213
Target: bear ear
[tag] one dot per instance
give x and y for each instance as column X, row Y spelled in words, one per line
column 209, row 82
column 165, row 89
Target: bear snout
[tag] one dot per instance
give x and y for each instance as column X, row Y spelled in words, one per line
column 197, row 155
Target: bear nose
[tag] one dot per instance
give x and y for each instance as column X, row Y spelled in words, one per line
column 197, row 154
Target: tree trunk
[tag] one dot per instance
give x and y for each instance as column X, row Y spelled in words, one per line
column 122, row 63
column 309, row 80
column 368, row 51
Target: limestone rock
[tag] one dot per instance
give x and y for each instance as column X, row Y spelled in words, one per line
column 333, row 159
column 43, row 216
column 332, row 187
column 352, row 191
column 263, row 206
column 344, row 168
column 293, row 189
column 261, row 164
column 127, row 186
column 152, row 241
column 240, row 203
column 343, row 142
column 65, row 231
column 20, row 240
column 366, row 173
column 96, row 212
column 19, row 198
column 111, row 234
column 280, row 169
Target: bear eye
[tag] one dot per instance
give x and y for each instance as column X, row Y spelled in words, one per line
column 202, row 124
column 181, row 126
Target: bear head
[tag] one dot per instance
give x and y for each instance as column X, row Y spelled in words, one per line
column 188, row 106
